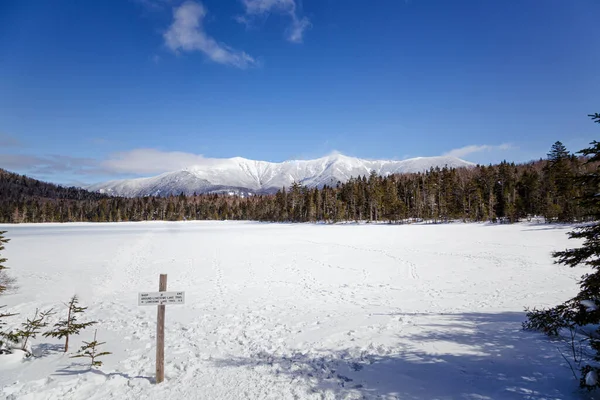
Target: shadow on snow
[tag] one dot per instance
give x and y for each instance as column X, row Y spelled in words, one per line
column 46, row 349
column 454, row 356
column 80, row 368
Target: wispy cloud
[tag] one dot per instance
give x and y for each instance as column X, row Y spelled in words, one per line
column 152, row 5
column 136, row 162
column 7, row 140
column 99, row 141
column 466, row 150
column 49, row 165
column 262, row 8
column 186, row 33
column 152, row 161
column 144, row 162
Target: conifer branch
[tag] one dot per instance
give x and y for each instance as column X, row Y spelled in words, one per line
column 583, row 309
column 88, row 350
column 30, row 328
column 69, row 326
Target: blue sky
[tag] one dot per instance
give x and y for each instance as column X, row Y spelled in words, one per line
column 95, row 90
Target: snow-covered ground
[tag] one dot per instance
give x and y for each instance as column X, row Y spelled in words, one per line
column 295, row 311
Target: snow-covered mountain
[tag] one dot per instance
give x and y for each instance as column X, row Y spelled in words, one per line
column 242, row 176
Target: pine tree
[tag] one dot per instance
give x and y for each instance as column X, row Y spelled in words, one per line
column 88, row 350
column 70, row 326
column 30, row 328
column 2, row 242
column 584, row 308
column 3, row 335
column 558, row 152
column 4, row 314
column 2, row 261
column 560, row 176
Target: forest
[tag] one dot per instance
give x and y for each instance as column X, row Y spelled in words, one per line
column 505, row 192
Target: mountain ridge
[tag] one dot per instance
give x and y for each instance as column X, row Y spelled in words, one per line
column 243, row 176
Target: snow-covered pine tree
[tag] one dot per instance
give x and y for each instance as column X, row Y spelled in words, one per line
column 67, row 327
column 88, row 350
column 583, row 309
column 30, row 329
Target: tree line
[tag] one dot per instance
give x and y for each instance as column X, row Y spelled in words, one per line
column 504, row 192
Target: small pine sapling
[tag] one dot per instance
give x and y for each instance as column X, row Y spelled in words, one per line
column 31, row 328
column 4, row 314
column 2, row 241
column 89, row 350
column 67, row 327
column 3, row 285
column 3, row 335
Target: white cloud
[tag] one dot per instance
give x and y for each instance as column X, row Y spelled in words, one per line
column 186, row 33
column 151, row 161
column 147, row 162
column 465, row 151
column 296, row 30
column 127, row 163
column 263, row 8
column 242, row 19
column 152, row 5
column 52, row 164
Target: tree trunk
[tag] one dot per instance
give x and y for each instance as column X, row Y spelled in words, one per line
column 68, row 326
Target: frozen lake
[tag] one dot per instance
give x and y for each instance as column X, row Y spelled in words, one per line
column 296, row 311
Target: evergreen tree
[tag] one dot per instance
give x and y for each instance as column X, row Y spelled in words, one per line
column 528, row 193
column 3, row 240
column 70, row 326
column 4, row 336
column 584, row 308
column 88, row 350
column 30, row 328
column 558, row 152
column 4, row 314
column 560, row 176
column 3, row 284
column 295, row 202
column 506, row 191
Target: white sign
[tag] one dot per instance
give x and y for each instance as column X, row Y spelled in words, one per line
column 160, row 298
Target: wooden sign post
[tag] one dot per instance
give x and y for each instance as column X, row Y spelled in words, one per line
column 160, row 299
column 160, row 333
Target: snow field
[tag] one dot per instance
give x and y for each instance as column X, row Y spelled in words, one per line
column 279, row 311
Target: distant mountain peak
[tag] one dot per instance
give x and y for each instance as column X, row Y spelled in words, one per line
column 244, row 176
